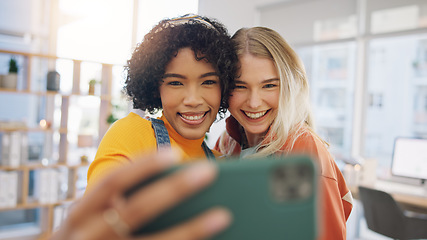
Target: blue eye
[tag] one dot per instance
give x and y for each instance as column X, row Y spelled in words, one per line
column 270, row 85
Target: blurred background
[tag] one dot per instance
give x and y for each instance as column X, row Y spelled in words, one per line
column 366, row 61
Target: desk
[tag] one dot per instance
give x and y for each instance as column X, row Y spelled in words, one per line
column 413, row 198
column 410, row 197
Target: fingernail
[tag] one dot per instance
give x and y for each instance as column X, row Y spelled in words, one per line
column 218, row 220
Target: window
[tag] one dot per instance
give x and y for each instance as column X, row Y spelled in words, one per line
column 397, row 88
column 330, row 69
column 367, row 66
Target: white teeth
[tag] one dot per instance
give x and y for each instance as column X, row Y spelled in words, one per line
column 192, row 118
column 255, row 115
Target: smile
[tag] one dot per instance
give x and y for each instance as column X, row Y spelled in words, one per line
column 255, row 115
column 193, row 118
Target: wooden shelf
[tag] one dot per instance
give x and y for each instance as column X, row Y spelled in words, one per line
column 53, row 93
column 25, row 129
column 41, row 93
column 61, row 124
column 32, row 166
column 37, row 205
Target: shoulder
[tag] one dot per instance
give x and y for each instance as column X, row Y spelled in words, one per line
column 311, row 144
column 227, row 145
column 336, row 193
column 228, row 142
column 131, row 121
column 216, row 153
column 131, row 130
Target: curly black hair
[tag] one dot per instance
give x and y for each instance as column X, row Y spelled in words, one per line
column 208, row 39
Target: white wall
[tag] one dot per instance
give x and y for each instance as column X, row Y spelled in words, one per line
column 24, row 25
column 279, row 15
column 296, row 21
column 234, row 14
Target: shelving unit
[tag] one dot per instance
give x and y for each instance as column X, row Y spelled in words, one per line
column 24, row 202
column 59, row 140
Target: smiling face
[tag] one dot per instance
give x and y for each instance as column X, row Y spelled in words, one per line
column 255, row 99
column 190, row 94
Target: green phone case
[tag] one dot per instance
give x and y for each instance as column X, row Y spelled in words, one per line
column 270, row 198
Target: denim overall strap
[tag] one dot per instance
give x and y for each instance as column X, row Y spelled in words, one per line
column 208, row 152
column 162, row 138
column 162, row 135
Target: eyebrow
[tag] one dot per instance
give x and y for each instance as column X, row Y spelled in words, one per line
column 175, row 75
column 265, row 81
column 172, row 75
column 209, row 74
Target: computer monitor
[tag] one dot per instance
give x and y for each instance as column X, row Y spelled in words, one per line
column 410, row 158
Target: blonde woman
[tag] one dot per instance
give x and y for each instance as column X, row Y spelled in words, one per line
column 271, row 114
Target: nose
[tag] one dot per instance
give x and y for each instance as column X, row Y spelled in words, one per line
column 254, row 100
column 193, row 97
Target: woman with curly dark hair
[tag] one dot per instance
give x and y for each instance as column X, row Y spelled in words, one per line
column 185, row 67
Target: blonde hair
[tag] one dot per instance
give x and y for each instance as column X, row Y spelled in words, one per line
column 294, row 115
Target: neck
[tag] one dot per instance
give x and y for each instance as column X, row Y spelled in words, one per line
column 254, row 139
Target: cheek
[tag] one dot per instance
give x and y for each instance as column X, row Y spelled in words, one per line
column 213, row 97
column 168, row 98
column 162, row 92
column 235, row 102
column 273, row 100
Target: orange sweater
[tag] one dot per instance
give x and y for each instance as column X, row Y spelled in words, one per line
column 133, row 135
column 335, row 198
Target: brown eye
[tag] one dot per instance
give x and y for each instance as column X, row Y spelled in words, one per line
column 174, row 83
column 209, row 82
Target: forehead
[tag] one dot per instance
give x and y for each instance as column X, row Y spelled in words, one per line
column 256, row 68
column 185, row 61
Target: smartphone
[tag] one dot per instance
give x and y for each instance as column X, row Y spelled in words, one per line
column 269, row 198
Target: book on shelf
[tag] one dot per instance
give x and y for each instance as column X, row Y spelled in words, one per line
column 60, row 213
column 8, row 188
column 3, row 187
column 49, row 185
column 14, row 148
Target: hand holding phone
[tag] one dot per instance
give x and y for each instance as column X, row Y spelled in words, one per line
column 269, row 198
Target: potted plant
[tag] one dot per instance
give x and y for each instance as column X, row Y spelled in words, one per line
column 92, row 84
column 111, row 119
column 11, row 79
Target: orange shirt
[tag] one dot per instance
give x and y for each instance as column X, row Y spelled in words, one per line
column 335, row 199
column 133, row 135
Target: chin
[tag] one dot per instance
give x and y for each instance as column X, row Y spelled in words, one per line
column 256, row 130
column 193, row 136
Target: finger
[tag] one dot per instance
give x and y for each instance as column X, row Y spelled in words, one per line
column 141, row 169
column 119, row 181
column 95, row 228
column 159, row 196
column 201, row 227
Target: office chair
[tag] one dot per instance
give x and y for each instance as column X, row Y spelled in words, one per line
column 384, row 216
